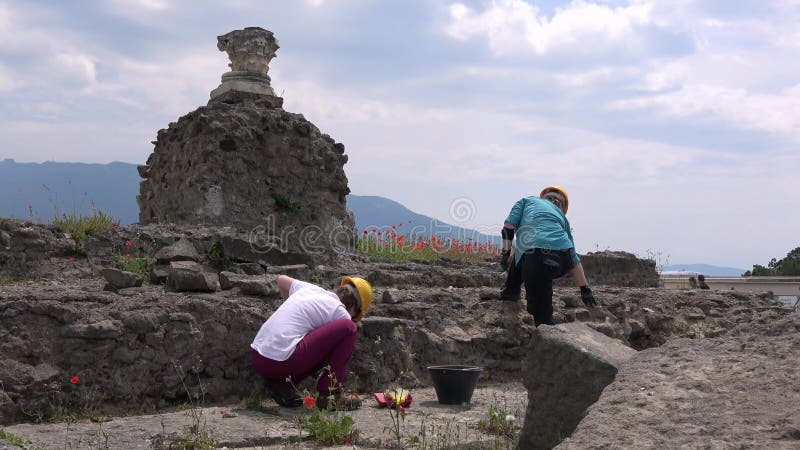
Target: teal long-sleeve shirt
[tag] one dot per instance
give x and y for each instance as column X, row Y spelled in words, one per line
column 538, row 223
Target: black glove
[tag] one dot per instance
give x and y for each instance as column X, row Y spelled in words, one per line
column 505, row 259
column 587, row 297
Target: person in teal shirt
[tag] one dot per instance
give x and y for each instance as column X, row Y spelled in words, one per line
column 543, row 251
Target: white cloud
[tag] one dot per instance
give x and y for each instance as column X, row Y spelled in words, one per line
column 775, row 113
column 512, row 26
column 135, row 6
column 76, row 67
column 6, row 80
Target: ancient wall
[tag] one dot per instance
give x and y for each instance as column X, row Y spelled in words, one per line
column 617, row 269
column 244, row 162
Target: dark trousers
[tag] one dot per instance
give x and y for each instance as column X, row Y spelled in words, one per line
column 537, row 269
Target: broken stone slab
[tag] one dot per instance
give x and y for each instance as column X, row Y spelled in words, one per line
column 191, row 276
column 263, row 285
column 247, row 268
column 292, row 270
column 567, row 369
column 182, row 250
column 121, row 279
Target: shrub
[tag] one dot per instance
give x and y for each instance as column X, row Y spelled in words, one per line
column 80, row 226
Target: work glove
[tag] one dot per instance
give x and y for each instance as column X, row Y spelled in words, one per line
column 587, row 297
column 505, row 259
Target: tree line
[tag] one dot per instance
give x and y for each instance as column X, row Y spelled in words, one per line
column 786, row 267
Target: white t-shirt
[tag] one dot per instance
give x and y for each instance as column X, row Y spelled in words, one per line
column 307, row 308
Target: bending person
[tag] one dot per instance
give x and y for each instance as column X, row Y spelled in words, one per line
column 313, row 329
column 543, row 250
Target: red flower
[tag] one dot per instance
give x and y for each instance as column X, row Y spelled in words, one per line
column 347, row 440
column 129, row 244
column 393, row 227
column 71, row 259
column 309, row 401
column 365, row 232
column 400, row 225
column 74, row 380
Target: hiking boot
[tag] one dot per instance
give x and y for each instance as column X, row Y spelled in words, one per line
column 282, row 393
column 339, row 404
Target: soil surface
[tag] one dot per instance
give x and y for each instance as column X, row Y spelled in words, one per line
column 275, row 427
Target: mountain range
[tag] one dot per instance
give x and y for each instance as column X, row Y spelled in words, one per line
column 41, row 191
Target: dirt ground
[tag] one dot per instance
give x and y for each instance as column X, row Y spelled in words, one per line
column 276, row 427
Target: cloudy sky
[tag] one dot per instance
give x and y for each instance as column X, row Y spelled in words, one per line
column 673, row 124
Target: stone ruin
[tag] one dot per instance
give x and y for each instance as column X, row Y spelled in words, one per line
column 241, row 161
column 224, row 174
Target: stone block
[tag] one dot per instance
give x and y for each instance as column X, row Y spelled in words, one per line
column 567, row 369
column 182, row 250
column 248, row 268
column 191, row 276
column 121, row 279
column 262, row 286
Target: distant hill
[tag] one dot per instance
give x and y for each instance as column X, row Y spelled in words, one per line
column 705, row 269
column 42, row 190
column 379, row 212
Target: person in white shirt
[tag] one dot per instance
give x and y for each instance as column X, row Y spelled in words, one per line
column 313, row 329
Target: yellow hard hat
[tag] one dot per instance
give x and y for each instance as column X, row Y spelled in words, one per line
column 364, row 293
column 561, row 191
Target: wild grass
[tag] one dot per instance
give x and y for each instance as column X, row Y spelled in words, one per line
column 79, row 226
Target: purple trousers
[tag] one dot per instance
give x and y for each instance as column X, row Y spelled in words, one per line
column 330, row 345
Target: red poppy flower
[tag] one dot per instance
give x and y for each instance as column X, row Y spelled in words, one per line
column 74, row 380
column 365, row 232
column 129, row 244
column 72, row 259
column 309, row 401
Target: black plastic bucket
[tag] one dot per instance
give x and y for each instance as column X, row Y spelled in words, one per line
column 454, row 384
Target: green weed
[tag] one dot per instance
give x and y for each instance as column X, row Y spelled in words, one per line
column 285, row 203
column 79, row 226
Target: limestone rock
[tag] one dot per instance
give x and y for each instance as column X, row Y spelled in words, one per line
column 258, row 285
column 727, row 392
column 182, row 250
column 292, row 270
column 567, row 369
column 247, row 268
column 120, row 279
column 191, row 276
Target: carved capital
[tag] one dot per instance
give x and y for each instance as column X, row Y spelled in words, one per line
column 250, row 50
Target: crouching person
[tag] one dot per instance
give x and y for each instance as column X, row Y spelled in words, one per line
column 313, row 329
